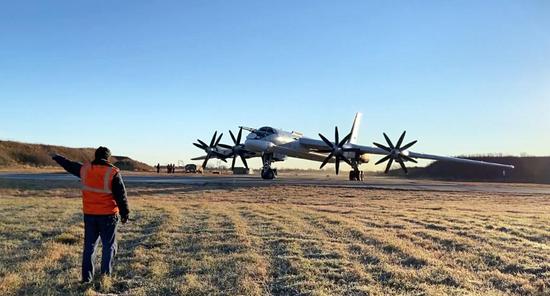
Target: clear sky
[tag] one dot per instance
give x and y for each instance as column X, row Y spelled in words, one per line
column 146, row 78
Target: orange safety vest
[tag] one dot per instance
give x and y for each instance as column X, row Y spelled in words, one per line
column 97, row 195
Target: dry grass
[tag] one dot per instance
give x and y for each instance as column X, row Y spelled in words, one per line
column 283, row 240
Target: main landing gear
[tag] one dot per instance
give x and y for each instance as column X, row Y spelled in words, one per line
column 356, row 174
column 267, row 172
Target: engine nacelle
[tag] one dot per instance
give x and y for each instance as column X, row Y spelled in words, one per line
column 360, row 158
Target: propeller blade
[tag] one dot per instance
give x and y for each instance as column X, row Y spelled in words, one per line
column 225, row 146
column 205, row 161
column 233, row 162
column 326, row 160
column 408, row 145
column 199, row 146
column 198, row 158
column 344, row 140
column 218, row 141
column 389, row 141
column 400, row 141
column 329, row 143
column 239, row 136
column 405, row 157
column 383, row 159
column 233, row 138
column 403, row 165
column 337, row 164
column 336, row 135
column 218, row 155
column 388, row 166
column 213, row 139
column 203, row 144
column 382, row 147
column 244, row 161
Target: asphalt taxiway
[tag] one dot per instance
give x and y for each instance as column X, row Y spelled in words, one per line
column 371, row 182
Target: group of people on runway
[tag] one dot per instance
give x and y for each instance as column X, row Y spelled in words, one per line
column 170, row 168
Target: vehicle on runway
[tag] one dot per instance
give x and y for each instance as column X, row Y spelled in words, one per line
column 273, row 145
column 190, row 168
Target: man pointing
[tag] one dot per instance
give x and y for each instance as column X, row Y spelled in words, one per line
column 103, row 199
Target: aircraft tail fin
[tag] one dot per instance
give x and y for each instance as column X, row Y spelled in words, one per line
column 355, row 128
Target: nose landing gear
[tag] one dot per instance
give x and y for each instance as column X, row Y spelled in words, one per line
column 268, row 174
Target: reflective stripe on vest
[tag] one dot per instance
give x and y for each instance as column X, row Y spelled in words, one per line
column 106, row 178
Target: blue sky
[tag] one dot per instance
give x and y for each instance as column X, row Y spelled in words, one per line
column 147, row 78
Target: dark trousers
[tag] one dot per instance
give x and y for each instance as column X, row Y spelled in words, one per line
column 96, row 227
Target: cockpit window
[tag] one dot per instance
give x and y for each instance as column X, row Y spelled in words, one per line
column 264, row 132
column 267, row 130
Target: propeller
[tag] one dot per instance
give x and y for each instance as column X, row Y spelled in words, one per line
column 397, row 153
column 236, row 150
column 210, row 149
column 336, row 150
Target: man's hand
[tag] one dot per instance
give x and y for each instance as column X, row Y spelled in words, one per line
column 124, row 219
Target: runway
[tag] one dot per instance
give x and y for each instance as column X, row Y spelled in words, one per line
column 371, row 182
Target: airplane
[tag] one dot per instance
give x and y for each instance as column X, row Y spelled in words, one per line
column 273, row 145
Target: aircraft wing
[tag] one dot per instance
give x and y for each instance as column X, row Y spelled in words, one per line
column 314, row 144
column 460, row 160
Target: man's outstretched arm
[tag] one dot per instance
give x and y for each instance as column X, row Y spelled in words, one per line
column 71, row 167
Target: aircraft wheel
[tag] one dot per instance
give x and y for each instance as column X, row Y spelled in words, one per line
column 268, row 174
column 356, row 175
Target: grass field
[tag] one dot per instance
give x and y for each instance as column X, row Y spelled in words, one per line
column 283, row 241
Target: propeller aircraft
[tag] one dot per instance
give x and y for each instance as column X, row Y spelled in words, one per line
column 273, row 145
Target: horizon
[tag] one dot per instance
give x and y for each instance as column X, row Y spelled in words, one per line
column 221, row 165
column 147, row 80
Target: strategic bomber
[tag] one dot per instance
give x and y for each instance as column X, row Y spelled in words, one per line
column 274, row 145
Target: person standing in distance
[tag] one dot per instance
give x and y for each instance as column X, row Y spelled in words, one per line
column 103, row 200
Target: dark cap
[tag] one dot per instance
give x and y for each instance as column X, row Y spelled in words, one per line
column 102, row 153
